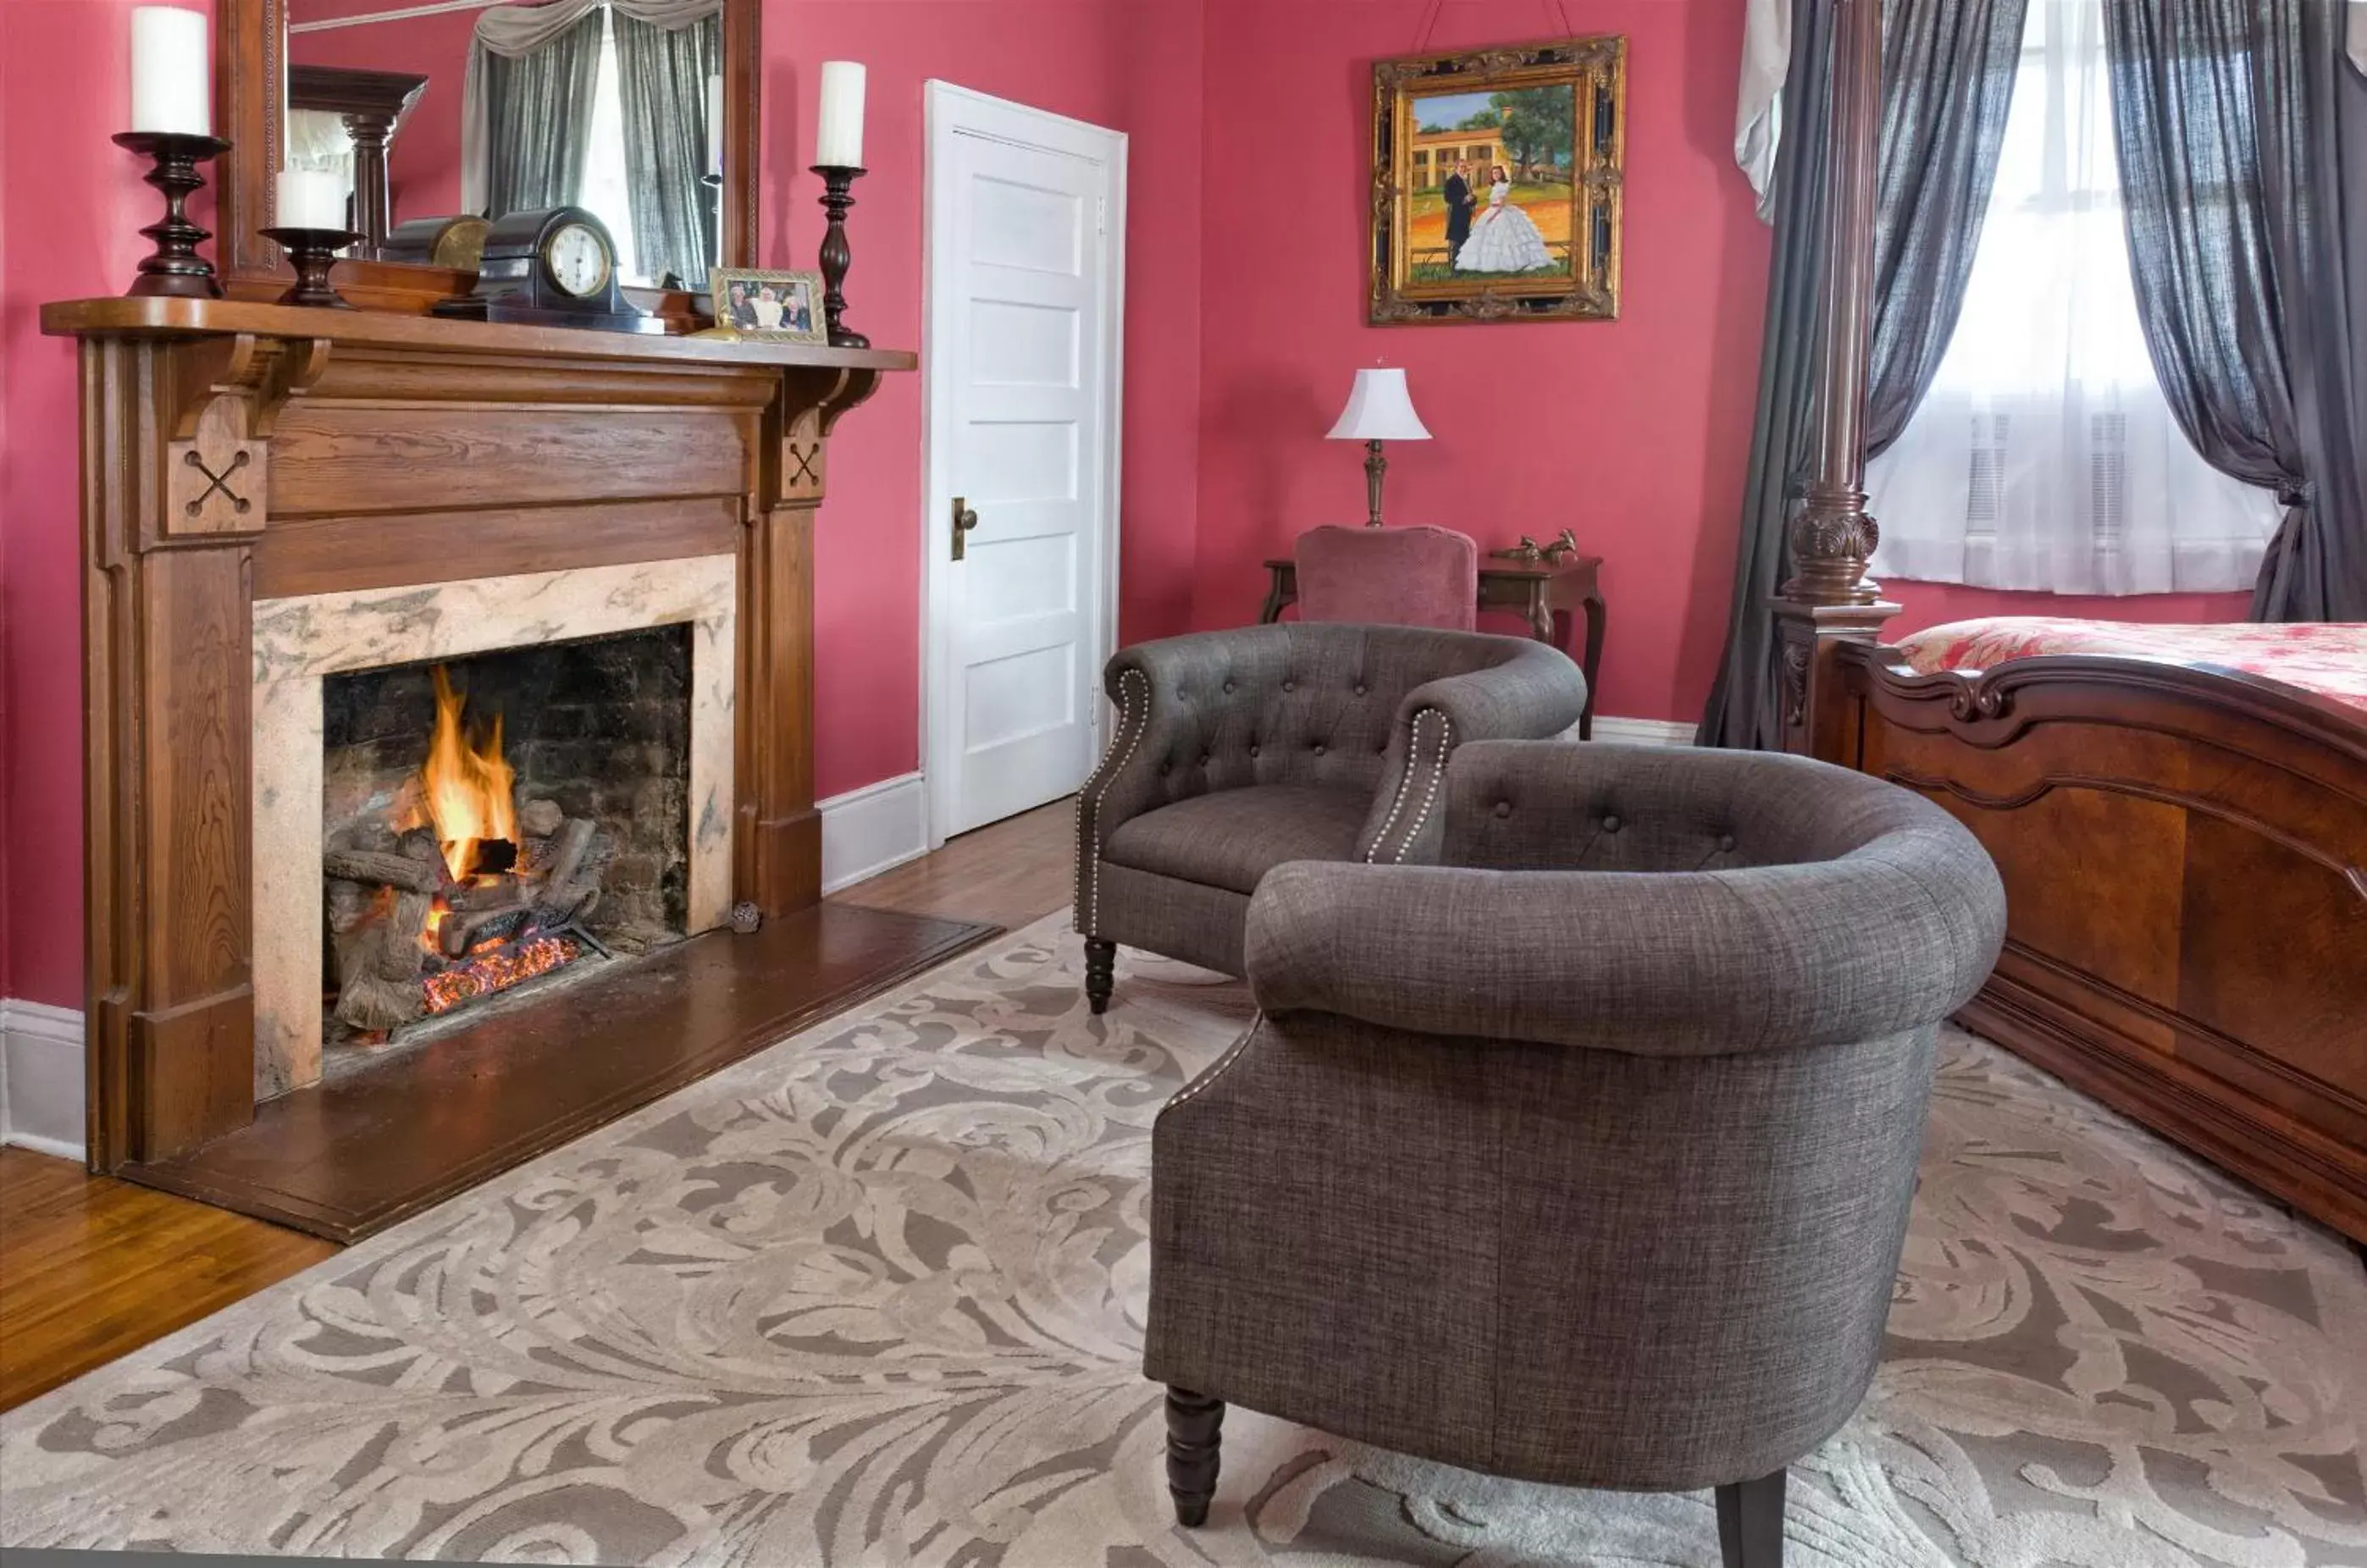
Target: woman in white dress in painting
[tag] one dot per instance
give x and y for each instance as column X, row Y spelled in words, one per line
column 1502, row 238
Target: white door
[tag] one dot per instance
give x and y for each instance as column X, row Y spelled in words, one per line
column 1019, row 528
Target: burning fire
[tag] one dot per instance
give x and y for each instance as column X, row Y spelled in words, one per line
column 498, row 971
column 467, row 791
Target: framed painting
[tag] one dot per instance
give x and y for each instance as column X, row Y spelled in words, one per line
column 1496, row 182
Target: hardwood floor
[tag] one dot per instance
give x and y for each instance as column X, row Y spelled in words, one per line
column 91, row 1267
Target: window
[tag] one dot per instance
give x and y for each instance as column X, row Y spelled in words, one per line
column 2043, row 456
column 605, row 183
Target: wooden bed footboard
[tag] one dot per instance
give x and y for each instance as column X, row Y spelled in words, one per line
column 2184, row 852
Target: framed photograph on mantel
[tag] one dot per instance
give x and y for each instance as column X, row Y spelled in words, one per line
column 783, row 307
column 1496, row 182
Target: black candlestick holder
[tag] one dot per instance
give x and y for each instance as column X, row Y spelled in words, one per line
column 175, row 267
column 835, row 257
column 312, row 253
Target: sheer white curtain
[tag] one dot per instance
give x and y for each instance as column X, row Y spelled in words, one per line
column 2044, row 456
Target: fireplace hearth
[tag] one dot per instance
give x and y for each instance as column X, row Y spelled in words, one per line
column 493, row 821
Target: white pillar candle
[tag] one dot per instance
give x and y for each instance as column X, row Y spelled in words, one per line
column 172, row 79
column 839, row 143
column 308, row 198
column 715, row 125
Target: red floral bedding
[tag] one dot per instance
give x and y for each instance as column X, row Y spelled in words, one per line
column 2327, row 660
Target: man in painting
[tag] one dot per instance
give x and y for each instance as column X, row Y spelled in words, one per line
column 1459, row 204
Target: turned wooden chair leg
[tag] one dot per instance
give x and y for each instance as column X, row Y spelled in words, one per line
column 1101, row 967
column 1750, row 1522
column 1195, row 1428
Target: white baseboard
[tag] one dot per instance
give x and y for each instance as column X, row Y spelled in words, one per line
column 868, row 830
column 1642, row 731
column 42, row 1079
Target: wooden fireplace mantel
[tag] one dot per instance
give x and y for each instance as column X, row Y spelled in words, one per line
column 234, row 451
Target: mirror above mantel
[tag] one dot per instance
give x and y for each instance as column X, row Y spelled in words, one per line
column 459, row 108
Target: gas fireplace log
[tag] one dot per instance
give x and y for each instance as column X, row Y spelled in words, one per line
column 351, row 903
column 568, row 847
column 540, row 819
column 389, row 870
column 572, row 889
column 419, row 844
column 460, row 932
column 509, row 892
column 378, row 967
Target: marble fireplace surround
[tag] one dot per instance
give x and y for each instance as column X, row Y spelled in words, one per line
column 299, row 640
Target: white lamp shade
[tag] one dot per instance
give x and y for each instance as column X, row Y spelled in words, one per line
column 1379, row 410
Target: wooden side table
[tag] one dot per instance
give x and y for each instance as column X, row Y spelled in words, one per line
column 1549, row 597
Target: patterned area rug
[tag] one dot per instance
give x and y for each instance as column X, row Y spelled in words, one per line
column 875, row 1297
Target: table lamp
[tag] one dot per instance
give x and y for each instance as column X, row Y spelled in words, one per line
column 1378, row 411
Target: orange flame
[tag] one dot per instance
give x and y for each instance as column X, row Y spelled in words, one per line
column 467, row 791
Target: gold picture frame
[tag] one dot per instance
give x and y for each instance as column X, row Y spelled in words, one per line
column 1538, row 134
column 742, row 304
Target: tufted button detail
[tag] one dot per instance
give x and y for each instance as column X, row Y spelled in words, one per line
column 1204, row 758
column 1228, row 688
column 1610, row 824
column 1360, row 688
column 1290, row 685
column 1318, row 748
column 1253, row 749
column 1165, row 769
column 1726, row 840
column 1503, row 809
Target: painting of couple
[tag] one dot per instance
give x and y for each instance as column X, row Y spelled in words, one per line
column 1497, row 182
column 1503, row 239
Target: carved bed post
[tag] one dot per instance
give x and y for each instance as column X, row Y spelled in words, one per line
column 1828, row 599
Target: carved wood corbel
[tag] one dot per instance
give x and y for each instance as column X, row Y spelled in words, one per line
column 228, row 392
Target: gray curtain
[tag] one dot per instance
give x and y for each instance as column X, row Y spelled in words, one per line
column 664, row 74
column 1948, row 69
column 2237, row 123
column 539, row 130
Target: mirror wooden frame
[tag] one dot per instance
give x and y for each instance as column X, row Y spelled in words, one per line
column 250, row 86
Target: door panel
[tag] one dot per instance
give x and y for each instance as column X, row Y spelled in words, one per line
column 1023, row 330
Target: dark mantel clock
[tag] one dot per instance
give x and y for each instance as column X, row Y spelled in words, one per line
column 552, row 267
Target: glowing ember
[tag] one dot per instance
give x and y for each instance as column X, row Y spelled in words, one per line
column 467, row 791
column 498, row 971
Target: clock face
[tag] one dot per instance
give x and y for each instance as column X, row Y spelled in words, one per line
column 578, row 258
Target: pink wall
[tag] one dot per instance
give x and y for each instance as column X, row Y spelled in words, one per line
column 1133, row 67
column 1634, row 432
column 71, row 203
column 425, row 169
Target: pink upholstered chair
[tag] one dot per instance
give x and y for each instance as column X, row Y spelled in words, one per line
column 1401, row 576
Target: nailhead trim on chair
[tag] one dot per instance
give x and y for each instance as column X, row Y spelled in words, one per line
column 1132, row 682
column 1224, row 1064
column 1405, row 787
column 1404, row 784
column 1430, row 791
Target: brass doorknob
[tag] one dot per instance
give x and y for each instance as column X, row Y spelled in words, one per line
column 964, row 521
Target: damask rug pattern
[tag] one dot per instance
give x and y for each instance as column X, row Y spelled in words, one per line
column 875, row 1297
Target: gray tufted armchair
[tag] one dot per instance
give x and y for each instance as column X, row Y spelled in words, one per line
column 1542, row 1168
column 1237, row 751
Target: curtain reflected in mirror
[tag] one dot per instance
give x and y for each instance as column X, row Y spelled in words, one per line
column 601, row 103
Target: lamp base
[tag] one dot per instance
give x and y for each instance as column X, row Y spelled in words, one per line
column 1375, row 468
